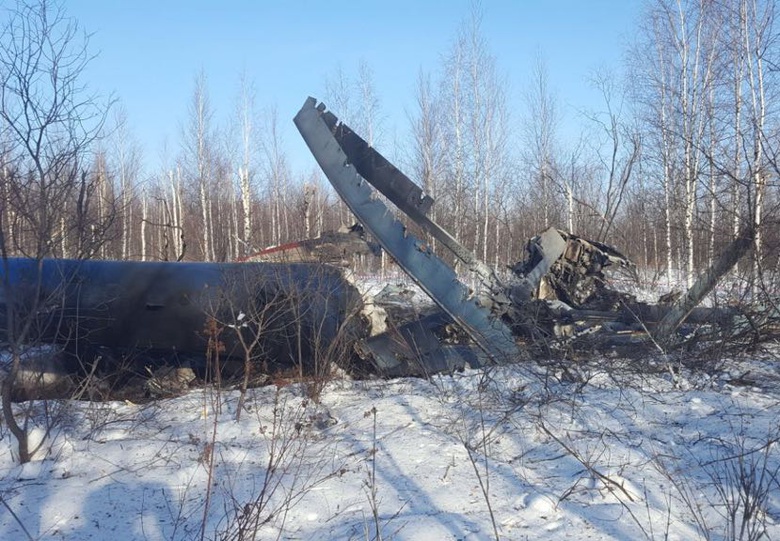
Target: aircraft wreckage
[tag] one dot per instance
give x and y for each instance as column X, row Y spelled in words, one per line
column 555, row 298
column 284, row 307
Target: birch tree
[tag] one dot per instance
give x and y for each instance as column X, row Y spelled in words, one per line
column 199, row 140
column 695, row 50
column 488, row 124
column 473, row 127
column 126, row 164
column 455, row 134
column 684, row 35
column 539, row 138
column 246, row 129
column 277, row 175
column 428, row 158
column 758, row 20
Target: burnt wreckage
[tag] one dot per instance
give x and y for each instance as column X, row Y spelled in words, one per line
column 288, row 305
column 148, row 313
column 555, row 298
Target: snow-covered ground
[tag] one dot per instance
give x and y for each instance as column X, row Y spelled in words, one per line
column 601, row 450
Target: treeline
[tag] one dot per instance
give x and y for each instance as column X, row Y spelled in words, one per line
column 681, row 156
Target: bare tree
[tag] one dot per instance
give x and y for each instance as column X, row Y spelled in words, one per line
column 453, row 95
column 246, row 121
column 177, row 211
column 339, row 95
column 678, row 80
column 127, row 167
column 277, row 175
column 692, row 34
column 49, row 120
column 428, row 159
column 617, row 154
column 488, row 124
column 368, row 119
column 758, row 34
column 461, row 137
column 540, row 141
column 198, row 148
column 738, row 69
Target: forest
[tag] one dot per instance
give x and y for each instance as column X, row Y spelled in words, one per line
column 681, row 158
column 658, row 431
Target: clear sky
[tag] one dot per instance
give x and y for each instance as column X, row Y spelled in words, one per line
column 150, row 52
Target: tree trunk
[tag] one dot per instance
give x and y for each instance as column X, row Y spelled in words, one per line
column 664, row 332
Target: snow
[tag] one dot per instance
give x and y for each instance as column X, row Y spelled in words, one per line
column 598, row 450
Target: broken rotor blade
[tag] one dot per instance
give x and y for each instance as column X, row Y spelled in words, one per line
column 404, row 194
column 434, row 276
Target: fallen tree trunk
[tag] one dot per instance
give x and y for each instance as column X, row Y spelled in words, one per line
column 664, row 332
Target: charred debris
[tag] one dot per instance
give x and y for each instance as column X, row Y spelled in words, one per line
column 554, row 302
column 293, row 307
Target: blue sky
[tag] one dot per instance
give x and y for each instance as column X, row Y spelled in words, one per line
column 150, row 52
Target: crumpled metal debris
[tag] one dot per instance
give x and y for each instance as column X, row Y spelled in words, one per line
column 334, row 247
column 577, row 277
column 558, row 295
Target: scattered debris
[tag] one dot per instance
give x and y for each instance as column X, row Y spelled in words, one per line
column 129, row 315
column 577, row 277
column 41, row 374
column 336, row 248
column 557, row 297
column 168, row 381
column 281, row 308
